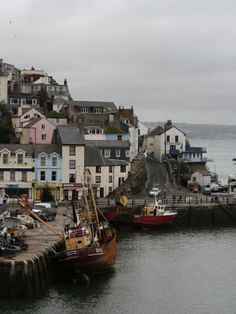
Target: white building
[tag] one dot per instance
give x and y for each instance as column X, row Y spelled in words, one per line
column 107, row 174
column 202, row 178
column 165, row 141
column 72, row 142
column 3, row 85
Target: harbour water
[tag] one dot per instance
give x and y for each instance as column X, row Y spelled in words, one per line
column 187, row 271
column 156, row 272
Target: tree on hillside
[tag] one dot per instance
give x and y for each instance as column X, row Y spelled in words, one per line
column 6, row 130
column 43, row 100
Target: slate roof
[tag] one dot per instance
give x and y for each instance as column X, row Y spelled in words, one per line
column 107, row 106
column 160, row 130
column 93, row 157
column 28, row 148
column 47, row 149
column 70, row 136
column 108, row 143
column 194, row 149
column 32, row 122
column 31, row 149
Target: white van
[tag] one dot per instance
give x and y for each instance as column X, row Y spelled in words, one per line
column 39, row 206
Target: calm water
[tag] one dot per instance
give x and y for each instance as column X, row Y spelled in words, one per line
column 158, row 272
column 155, row 272
column 222, row 152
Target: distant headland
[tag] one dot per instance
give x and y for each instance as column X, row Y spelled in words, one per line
column 204, row 131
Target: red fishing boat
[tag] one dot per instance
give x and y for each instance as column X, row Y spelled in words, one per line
column 156, row 215
column 89, row 242
column 151, row 216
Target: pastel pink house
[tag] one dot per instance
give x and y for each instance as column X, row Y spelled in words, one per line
column 37, row 131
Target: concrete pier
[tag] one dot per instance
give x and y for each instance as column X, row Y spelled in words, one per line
column 30, row 272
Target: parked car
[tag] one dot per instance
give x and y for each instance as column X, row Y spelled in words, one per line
column 206, row 190
column 154, row 192
column 45, row 211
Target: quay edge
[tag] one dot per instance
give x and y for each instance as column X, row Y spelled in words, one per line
column 28, row 277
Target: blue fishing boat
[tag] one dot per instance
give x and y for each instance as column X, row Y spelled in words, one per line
column 8, row 250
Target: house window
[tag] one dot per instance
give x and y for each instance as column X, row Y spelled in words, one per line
column 54, row 176
column 54, row 161
column 42, row 176
column 5, row 159
column 72, row 178
column 98, row 110
column 24, row 176
column 44, row 137
column 20, row 159
column 98, row 179
column 84, row 110
column 72, row 150
column 1, row 175
column 107, row 152
column 110, row 169
column 168, row 138
column 110, row 179
column 12, row 175
column 117, row 152
column 176, row 138
column 127, row 154
column 43, row 161
column 43, row 126
column 122, row 168
column 98, row 169
column 72, row 164
column 110, row 189
column 119, row 137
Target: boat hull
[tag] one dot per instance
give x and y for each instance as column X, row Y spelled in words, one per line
column 153, row 221
column 132, row 219
column 89, row 261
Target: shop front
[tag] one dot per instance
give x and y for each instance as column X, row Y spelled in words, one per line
column 54, row 188
column 69, row 188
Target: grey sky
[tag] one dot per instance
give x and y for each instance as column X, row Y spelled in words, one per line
column 170, row 59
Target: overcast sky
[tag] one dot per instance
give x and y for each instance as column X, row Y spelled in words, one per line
column 170, row 59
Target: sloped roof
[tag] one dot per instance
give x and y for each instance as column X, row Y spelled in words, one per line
column 70, row 136
column 160, row 130
column 47, row 149
column 28, row 148
column 31, row 149
column 157, row 131
column 107, row 106
column 33, row 122
column 108, row 143
column 93, row 157
column 203, row 173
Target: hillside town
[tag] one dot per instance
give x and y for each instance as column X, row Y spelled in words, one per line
column 48, row 139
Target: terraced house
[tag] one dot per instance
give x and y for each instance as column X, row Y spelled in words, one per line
column 48, row 171
column 17, row 173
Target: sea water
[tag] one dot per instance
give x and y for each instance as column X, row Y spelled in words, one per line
column 220, row 153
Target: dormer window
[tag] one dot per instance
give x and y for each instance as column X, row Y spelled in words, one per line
column 5, row 159
column 43, row 161
column 20, row 159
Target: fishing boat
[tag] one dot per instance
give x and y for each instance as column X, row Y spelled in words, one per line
column 154, row 216
column 89, row 241
column 8, row 250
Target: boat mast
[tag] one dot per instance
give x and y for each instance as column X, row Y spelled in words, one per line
column 89, row 181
